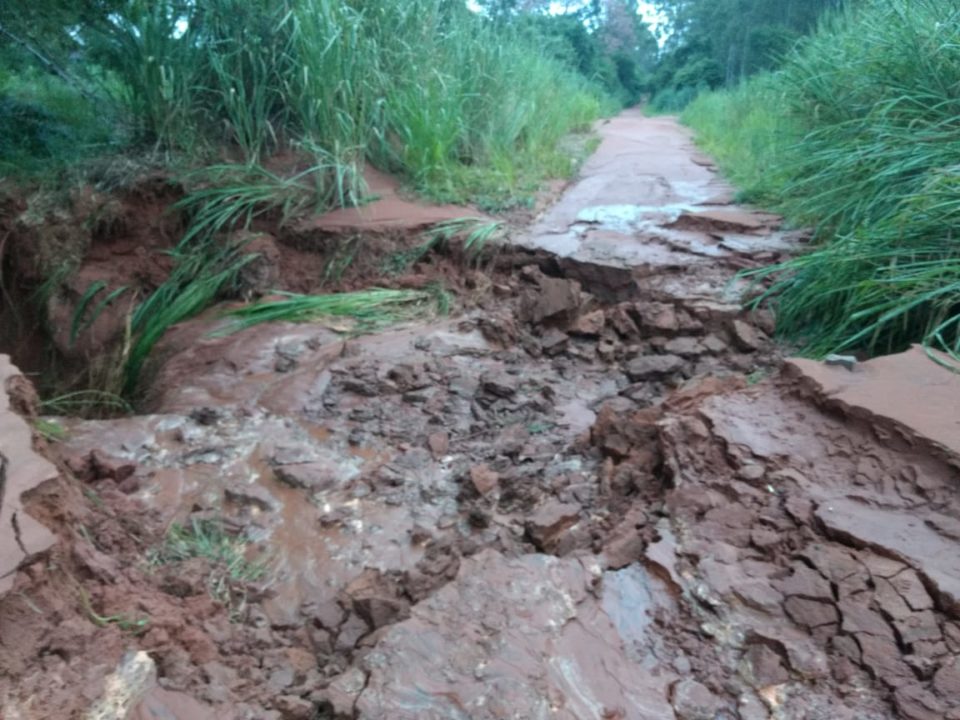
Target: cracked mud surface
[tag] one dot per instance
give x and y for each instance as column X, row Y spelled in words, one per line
column 598, row 493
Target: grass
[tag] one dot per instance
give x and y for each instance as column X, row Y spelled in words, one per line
column 858, row 137
column 226, row 554
column 461, row 107
column 370, row 309
column 137, row 626
column 476, row 233
column 49, row 430
column 85, row 403
column 745, row 131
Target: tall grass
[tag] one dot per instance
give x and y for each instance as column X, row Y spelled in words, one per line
column 425, row 88
column 870, row 161
column 747, row 133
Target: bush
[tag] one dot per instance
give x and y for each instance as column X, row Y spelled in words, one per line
column 46, row 121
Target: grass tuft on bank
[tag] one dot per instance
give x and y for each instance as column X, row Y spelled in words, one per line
column 858, row 137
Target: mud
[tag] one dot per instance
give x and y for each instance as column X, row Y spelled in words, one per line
column 594, row 492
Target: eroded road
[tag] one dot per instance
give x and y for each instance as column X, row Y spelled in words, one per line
column 598, row 495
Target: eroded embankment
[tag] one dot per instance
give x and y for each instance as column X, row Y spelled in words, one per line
column 593, row 495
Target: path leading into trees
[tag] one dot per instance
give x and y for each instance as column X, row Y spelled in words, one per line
column 599, row 494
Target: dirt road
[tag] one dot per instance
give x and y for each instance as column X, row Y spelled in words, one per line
column 597, row 494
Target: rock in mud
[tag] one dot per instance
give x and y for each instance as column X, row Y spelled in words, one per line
column 554, row 300
column 746, row 337
column 314, row 476
column 589, row 325
column 548, row 523
column 646, row 367
column 521, row 638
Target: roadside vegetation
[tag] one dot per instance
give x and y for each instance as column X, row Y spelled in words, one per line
column 856, row 136
column 266, row 110
column 713, row 44
column 463, row 105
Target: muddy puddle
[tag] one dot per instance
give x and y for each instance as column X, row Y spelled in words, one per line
column 597, row 492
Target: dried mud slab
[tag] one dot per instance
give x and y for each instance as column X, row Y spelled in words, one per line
column 819, row 537
column 22, row 538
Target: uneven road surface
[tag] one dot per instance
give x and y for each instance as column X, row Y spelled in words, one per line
column 599, row 495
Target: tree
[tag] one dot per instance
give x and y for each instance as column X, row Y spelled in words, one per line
column 719, row 42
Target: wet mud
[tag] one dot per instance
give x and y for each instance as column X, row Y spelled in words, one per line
column 595, row 492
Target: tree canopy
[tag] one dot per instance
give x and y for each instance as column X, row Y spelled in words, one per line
column 713, row 43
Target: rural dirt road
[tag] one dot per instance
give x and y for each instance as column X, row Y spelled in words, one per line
column 598, row 493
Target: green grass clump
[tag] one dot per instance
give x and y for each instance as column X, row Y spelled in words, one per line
column 226, row 553
column 858, row 136
column 371, row 309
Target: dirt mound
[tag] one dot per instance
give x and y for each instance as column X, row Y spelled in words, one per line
column 815, row 542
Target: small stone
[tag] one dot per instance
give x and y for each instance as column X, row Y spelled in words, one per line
column 607, row 350
column 685, row 346
column 554, row 342
column 550, row 521
column 282, row 678
column 292, row 707
column 651, row 366
column 589, row 325
column 947, row 680
column 745, row 336
column 619, row 319
column 500, row 384
column 693, row 701
column 253, row 495
column 658, row 317
column 438, row 444
column 107, row 467
column 311, row 476
column 484, row 480
column 751, row 707
column 379, row 611
column 752, row 473
column 846, row 361
column 715, row 345
column 765, row 665
column 342, row 693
